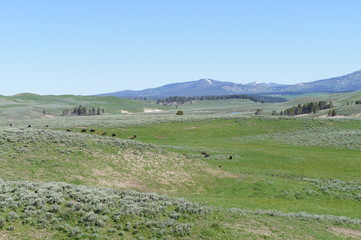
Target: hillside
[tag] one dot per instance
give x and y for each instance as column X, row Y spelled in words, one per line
column 265, row 172
column 205, row 87
column 347, row 83
column 202, row 87
column 285, row 176
column 32, row 106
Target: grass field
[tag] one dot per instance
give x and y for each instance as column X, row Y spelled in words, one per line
column 266, row 177
column 269, row 173
column 28, row 106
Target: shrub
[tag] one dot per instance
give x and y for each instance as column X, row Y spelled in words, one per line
column 2, row 223
column 258, row 112
column 180, row 112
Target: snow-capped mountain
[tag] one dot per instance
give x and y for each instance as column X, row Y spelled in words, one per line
column 207, row 86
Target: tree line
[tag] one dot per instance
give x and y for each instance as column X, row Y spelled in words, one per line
column 83, row 111
column 254, row 98
column 310, row 107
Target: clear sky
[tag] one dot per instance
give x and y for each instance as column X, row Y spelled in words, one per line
column 96, row 46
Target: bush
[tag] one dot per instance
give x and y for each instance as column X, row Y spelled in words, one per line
column 2, row 223
column 180, row 112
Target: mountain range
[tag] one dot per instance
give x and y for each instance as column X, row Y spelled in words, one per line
column 206, row 87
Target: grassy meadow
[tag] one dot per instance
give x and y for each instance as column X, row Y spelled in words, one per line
column 29, row 106
column 264, row 177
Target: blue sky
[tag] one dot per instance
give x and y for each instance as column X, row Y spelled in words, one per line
column 89, row 47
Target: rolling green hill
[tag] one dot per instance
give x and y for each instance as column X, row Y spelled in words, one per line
column 288, row 177
column 259, row 177
column 29, row 106
column 32, row 105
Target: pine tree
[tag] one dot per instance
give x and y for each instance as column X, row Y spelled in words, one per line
column 330, row 104
column 333, row 113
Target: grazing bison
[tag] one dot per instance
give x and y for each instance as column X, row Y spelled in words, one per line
column 83, row 130
column 219, row 166
column 10, row 125
column 206, row 155
column 203, row 152
column 92, row 130
column 104, row 133
column 230, row 157
column 68, row 130
column 113, row 135
column 29, row 126
column 133, row 137
column 46, row 125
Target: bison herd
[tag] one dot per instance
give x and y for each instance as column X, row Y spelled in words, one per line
column 93, row 131
column 29, row 126
column 205, row 154
column 84, row 130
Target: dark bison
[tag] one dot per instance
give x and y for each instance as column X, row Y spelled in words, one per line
column 46, row 125
column 29, row 126
column 230, row 157
column 113, row 135
column 83, row 130
column 206, row 155
column 10, row 125
column 92, row 130
column 104, row 133
column 203, row 152
column 68, row 130
column 133, row 137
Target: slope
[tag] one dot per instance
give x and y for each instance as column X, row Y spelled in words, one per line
column 32, row 105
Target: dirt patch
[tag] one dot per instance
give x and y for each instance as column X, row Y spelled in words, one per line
column 148, row 110
column 224, row 174
column 48, row 116
column 163, row 172
column 3, row 236
column 113, row 179
column 190, row 128
column 326, row 116
column 160, row 137
column 29, row 234
column 124, row 111
column 253, row 228
column 353, row 233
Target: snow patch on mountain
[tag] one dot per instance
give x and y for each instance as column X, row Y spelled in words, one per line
column 209, row 81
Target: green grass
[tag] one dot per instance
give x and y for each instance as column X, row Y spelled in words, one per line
column 32, row 105
column 294, row 167
column 269, row 170
column 63, row 211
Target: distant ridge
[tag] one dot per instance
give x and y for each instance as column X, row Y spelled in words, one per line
column 25, row 94
column 207, row 87
column 346, row 83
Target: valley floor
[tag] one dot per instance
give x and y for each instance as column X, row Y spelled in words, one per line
column 243, row 177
